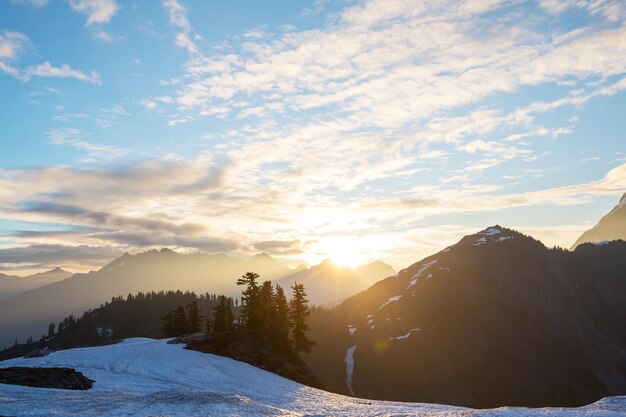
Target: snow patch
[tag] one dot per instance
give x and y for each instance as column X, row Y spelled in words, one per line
column 104, row 332
column 405, row 336
column 351, row 330
column 603, row 243
column 390, row 300
column 479, row 242
column 490, row 231
column 448, row 248
column 350, row 367
column 501, row 238
column 420, row 272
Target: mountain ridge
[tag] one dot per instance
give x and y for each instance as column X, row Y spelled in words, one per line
column 28, row 313
column 522, row 324
column 12, row 285
column 612, row 226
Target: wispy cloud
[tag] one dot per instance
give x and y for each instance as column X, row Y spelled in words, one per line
column 97, row 11
column 12, row 44
column 94, row 151
column 64, row 71
column 35, row 3
column 177, row 14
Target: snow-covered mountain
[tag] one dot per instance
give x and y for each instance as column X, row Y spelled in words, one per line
column 610, row 227
column 498, row 312
column 146, row 377
column 11, row 285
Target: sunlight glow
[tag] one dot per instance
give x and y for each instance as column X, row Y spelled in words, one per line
column 344, row 251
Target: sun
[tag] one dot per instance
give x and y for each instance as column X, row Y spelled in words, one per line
column 344, row 252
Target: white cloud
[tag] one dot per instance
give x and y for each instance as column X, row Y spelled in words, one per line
column 103, row 36
column 613, row 10
column 64, row 71
column 13, row 72
column 177, row 14
column 93, row 151
column 97, row 11
column 255, row 34
column 35, row 3
column 12, row 44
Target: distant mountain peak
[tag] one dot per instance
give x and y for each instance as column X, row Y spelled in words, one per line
column 611, row 226
column 262, row 255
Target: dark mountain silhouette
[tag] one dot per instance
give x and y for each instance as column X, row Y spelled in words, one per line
column 497, row 319
column 610, row 227
column 138, row 315
column 329, row 284
column 11, row 285
column 142, row 315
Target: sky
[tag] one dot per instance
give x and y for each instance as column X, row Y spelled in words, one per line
column 349, row 130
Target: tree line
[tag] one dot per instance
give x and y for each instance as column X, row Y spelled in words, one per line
column 264, row 309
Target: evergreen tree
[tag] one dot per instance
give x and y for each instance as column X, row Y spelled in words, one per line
column 207, row 324
column 299, row 313
column 194, row 318
column 266, row 305
column 179, row 322
column 51, row 328
column 167, row 326
column 250, row 300
column 220, row 324
column 229, row 315
column 280, row 319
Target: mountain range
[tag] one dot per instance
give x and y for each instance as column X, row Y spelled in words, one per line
column 28, row 313
column 11, row 285
column 327, row 284
column 496, row 319
column 499, row 312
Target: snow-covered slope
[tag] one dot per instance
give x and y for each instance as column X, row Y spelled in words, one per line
column 145, row 377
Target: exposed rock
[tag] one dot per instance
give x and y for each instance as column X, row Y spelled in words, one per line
column 188, row 338
column 38, row 353
column 258, row 351
column 60, row 378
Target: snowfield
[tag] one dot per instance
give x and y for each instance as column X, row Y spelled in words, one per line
column 146, row 377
